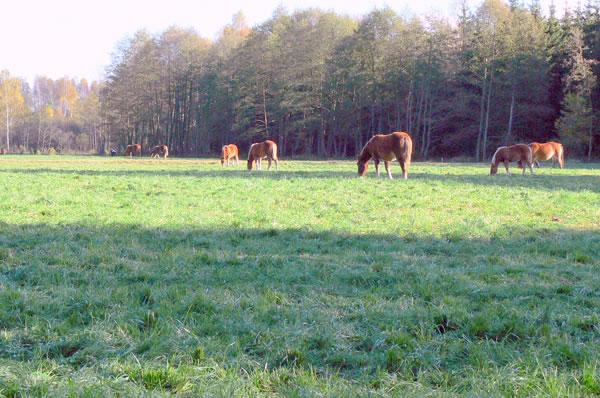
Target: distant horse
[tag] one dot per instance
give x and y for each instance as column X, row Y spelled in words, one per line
column 549, row 150
column 134, row 150
column 520, row 153
column 3, row 151
column 388, row 147
column 159, row 150
column 113, row 151
column 258, row 151
column 230, row 152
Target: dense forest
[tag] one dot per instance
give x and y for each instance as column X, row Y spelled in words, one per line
column 320, row 84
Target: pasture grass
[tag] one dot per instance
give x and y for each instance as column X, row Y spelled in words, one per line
column 150, row 277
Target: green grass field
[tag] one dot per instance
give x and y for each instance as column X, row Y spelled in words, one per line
column 127, row 277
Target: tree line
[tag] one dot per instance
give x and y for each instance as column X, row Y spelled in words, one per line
column 61, row 114
column 321, row 84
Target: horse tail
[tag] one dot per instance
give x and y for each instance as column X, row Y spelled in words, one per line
column 274, row 154
column 561, row 155
column 407, row 151
column 529, row 156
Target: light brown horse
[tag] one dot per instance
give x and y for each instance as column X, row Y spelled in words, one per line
column 133, row 150
column 388, row 147
column 230, row 152
column 260, row 150
column 520, row 153
column 159, row 150
column 546, row 151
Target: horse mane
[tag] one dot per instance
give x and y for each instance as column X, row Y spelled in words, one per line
column 250, row 155
column 364, row 154
column 496, row 153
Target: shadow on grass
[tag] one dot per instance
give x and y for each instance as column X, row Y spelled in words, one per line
column 575, row 183
column 285, row 241
column 328, row 300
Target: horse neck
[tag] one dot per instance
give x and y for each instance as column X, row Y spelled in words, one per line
column 364, row 155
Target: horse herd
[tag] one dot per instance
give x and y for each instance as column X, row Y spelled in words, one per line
column 381, row 147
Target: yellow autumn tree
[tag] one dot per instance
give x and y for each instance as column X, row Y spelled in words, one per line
column 68, row 96
column 11, row 101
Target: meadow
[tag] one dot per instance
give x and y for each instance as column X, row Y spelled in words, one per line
column 124, row 277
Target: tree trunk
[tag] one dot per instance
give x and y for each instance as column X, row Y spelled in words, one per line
column 590, row 140
column 7, row 128
column 487, row 117
column 481, row 114
column 265, row 120
column 510, row 118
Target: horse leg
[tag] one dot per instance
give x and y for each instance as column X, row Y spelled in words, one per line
column 269, row 160
column 555, row 160
column 387, row 169
column 376, row 161
column 561, row 158
column 506, row 167
column 276, row 164
column 404, row 167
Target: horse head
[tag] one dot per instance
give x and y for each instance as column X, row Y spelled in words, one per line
column 362, row 167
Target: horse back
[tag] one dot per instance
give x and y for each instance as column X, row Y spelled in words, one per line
column 519, row 152
column 391, row 146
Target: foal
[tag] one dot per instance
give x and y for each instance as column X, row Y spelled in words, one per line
column 388, row 147
column 230, row 152
column 159, row 150
column 520, row 153
column 133, row 150
column 258, row 151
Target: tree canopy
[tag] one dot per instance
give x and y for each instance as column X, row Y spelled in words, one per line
column 321, row 84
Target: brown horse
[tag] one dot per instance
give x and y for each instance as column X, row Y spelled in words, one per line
column 546, row 151
column 520, row 153
column 159, row 150
column 133, row 150
column 388, row 147
column 230, row 152
column 258, row 151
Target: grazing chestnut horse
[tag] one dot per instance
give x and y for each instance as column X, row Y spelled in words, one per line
column 546, row 151
column 230, row 152
column 134, row 150
column 520, row 153
column 159, row 150
column 258, row 151
column 388, row 147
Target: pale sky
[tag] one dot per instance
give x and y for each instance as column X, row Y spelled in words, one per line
column 75, row 38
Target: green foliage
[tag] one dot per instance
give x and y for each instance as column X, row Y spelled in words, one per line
column 321, row 84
